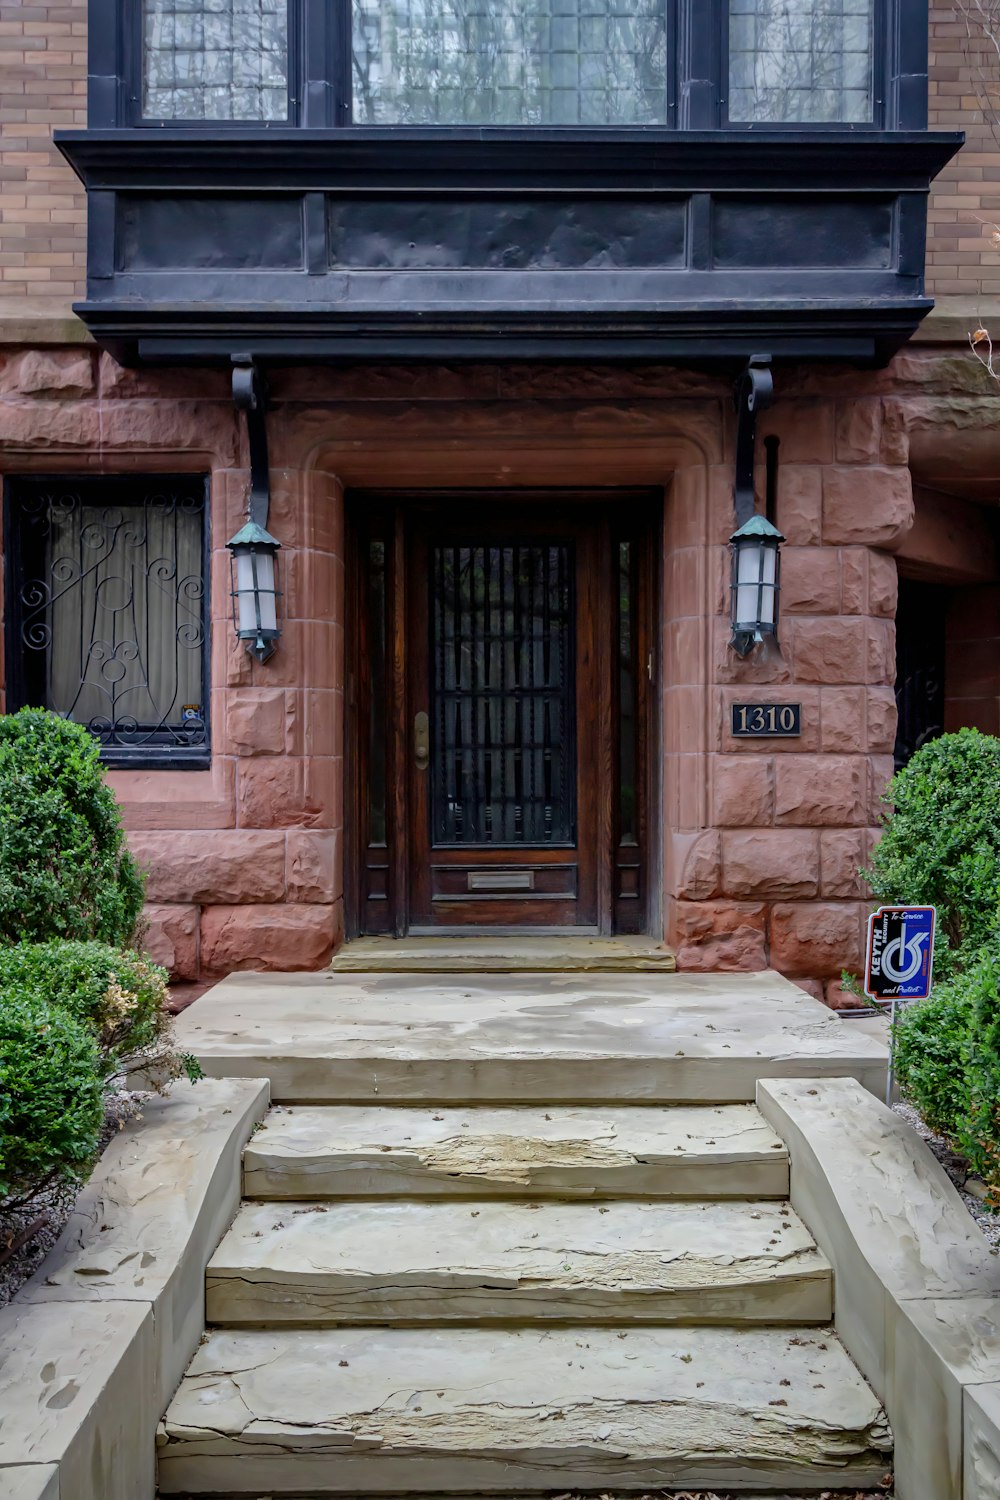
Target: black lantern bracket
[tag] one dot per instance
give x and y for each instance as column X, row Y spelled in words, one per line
column 250, row 397
column 754, row 393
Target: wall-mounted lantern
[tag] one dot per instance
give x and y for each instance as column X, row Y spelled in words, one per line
column 254, row 567
column 756, row 583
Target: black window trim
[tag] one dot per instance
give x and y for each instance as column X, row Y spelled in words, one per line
column 116, row 757
column 697, row 76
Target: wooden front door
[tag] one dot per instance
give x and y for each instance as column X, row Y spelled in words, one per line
column 499, row 690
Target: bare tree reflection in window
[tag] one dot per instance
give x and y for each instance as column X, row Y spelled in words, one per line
column 215, row 59
column 510, row 62
column 801, row 61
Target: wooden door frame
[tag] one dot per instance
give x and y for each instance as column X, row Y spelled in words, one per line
column 377, row 876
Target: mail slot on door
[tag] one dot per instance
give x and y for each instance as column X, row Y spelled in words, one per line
column 501, row 880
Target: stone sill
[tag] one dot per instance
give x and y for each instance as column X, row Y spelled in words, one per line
column 93, row 1347
column 917, row 1287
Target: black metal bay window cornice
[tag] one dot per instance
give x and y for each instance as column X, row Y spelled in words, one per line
column 705, row 236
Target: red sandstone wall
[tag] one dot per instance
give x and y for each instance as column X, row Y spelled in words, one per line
column 762, row 840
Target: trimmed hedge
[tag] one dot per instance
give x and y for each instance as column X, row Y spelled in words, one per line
column 65, row 870
column 941, row 847
column 51, row 1098
column 120, row 997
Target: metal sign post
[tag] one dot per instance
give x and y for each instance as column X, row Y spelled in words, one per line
column 899, row 963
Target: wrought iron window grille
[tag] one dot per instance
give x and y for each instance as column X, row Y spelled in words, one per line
column 107, row 615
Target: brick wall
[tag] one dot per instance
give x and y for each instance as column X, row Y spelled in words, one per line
column 43, row 67
column 965, row 203
column 43, row 85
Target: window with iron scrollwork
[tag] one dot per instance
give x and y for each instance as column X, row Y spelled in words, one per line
column 108, row 610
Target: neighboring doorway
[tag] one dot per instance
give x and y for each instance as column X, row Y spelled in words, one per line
column 499, row 692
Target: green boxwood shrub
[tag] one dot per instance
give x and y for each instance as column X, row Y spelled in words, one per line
column 51, row 1098
column 932, row 1045
column 119, row 996
column 65, row 871
column 941, row 844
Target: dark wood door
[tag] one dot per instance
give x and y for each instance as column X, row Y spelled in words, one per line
column 509, row 791
column 501, row 745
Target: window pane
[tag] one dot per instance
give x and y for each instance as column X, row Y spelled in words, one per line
column 800, row 61
column 111, row 605
column 510, row 62
column 215, row 59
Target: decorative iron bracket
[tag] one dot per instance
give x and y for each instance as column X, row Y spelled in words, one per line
column 753, row 394
column 250, row 396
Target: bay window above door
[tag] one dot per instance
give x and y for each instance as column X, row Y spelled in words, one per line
column 687, row 64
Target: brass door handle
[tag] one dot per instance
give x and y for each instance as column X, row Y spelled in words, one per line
column 422, row 741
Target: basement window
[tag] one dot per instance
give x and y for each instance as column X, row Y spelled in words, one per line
column 107, row 614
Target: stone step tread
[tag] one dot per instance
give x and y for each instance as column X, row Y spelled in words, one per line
column 710, row 1151
column 521, row 1039
column 314, row 1264
column 500, row 954
column 465, row 1411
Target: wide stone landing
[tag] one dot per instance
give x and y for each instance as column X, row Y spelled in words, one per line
column 420, row 1411
column 520, row 1039
column 694, row 1151
column 504, row 955
column 318, row 1264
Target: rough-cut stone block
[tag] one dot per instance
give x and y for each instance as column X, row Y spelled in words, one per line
column 854, row 580
column 30, row 1482
column 695, row 921
column 78, row 1390
column 859, row 431
column 799, row 513
column 810, row 581
column 771, row 862
column 726, row 1151
column 819, row 940
column 882, row 719
column 267, row 938
column 48, row 372
column 866, row 506
column 172, row 939
column 260, row 721
column 821, row 790
column 829, row 650
column 838, row 997
column 742, row 791
column 313, row 870
column 883, row 585
column 741, row 951
column 233, row 866
column 842, row 853
column 805, row 429
column 843, row 719
column 276, row 792
column 404, row 1262
column 701, row 869
column 881, row 651
column 895, row 432
column 981, row 1442
column 880, row 772
column 145, row 1226
column 519, row 1410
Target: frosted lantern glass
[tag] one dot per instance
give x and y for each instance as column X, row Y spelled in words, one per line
column 255, row 590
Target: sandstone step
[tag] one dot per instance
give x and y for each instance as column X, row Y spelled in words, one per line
column 463, row 1411
column 712, row 1151
column 317, row 1264
column 521, row 1039
column 504, row 954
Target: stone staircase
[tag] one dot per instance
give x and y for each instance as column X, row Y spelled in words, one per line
column 508, row 1297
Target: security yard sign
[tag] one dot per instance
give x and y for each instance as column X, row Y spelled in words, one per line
column 899, row 963
column 900, row 955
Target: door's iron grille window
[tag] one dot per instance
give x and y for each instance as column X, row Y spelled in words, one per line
column 109, row 601
column 504, row 762
column 215, row 59
column 801, row 61
column 510, row 62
